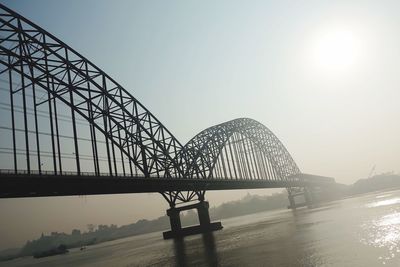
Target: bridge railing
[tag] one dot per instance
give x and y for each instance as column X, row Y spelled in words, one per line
column 64, row 173
column 11, row 172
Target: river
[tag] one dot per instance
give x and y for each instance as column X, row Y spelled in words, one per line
column 359, row 231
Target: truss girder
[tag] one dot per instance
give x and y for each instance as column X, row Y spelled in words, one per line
column 203, row 151
column 40, row 60
column 48, row 63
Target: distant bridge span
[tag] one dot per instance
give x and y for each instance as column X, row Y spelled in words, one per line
column 67, row 128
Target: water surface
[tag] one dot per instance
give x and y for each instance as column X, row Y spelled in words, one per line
column 360, row 231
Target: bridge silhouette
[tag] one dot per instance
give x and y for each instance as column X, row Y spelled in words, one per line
column 67, row 128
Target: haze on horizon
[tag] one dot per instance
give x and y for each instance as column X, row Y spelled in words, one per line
column 323, row 76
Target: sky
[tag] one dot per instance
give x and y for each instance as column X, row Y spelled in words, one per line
column 322, row 75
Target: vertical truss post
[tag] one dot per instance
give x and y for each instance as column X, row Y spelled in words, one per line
column 21, row 54
column 36, row 129
column 71, row 98
column 57, row 136
column 12, row 117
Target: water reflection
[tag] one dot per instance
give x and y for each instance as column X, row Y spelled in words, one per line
column 210, row 249
column 207, row 248
column 384, row 233
column 385, row 202
column 179, row 249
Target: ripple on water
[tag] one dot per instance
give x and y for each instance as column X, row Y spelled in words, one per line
column 384, row 195
column 385, row 202
column 384, row 233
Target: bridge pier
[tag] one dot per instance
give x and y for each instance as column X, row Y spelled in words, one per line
column 205, row 224
column 306, row 193
column 174, row 219
column 292, row 203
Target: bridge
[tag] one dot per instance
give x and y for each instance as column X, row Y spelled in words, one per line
column 68, row 128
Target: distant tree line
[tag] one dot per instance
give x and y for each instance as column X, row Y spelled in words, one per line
column 101, row 233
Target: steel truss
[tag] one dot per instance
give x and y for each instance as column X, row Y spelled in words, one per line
column 39, row 60
column 238, row 149
column 49, row 83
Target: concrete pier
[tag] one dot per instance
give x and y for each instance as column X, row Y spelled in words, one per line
column 306, row 193
column 204, row 219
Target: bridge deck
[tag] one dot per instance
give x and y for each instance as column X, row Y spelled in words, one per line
column 23, row 185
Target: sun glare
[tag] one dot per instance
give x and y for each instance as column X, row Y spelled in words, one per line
column 336, row 51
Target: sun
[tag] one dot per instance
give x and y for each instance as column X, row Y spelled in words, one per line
column 336, row 51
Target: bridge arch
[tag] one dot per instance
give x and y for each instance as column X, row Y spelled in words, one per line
column 33, row 61
column 238, row 149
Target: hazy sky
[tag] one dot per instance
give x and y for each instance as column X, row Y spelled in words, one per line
column 324, row 76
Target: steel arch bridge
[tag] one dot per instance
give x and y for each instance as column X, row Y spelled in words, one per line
column 67, row 128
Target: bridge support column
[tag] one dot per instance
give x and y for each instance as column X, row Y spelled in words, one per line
column 308, row 197
column 174, row 219
column 292, row 203
column 306, row 193
column 204, row 216
column 204, row 219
